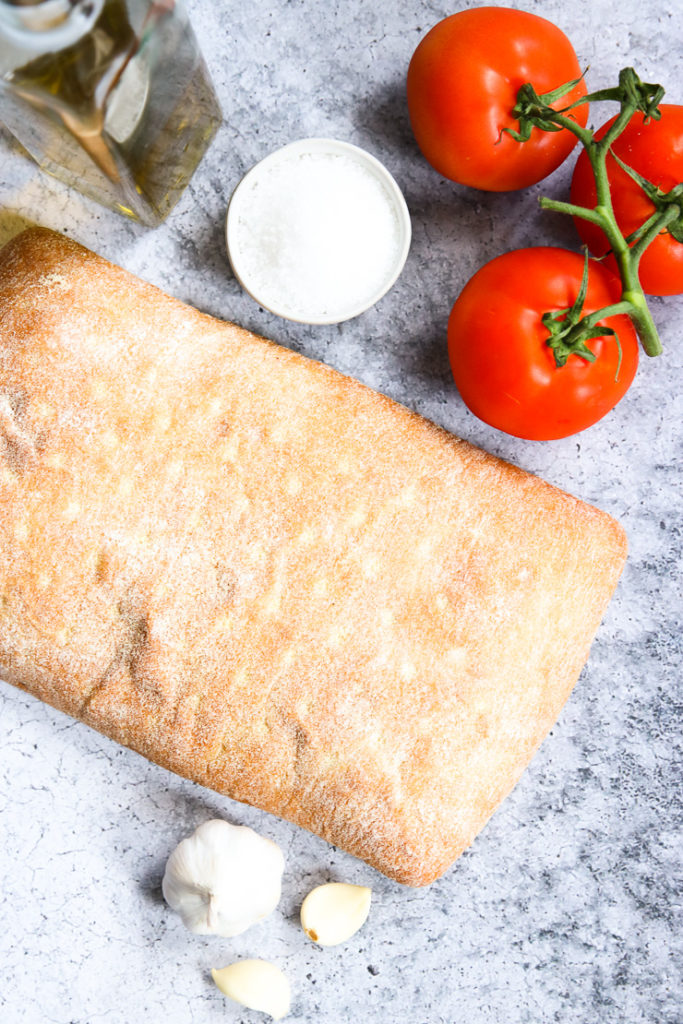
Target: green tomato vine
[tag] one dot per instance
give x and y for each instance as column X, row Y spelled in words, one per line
column 569, row 329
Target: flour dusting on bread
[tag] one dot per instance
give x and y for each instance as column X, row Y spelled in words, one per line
column 269, row 578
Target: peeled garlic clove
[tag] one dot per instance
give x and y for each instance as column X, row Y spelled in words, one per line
column 256, row 984
column 332, row 913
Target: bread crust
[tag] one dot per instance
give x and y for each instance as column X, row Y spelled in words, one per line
column 270, row 579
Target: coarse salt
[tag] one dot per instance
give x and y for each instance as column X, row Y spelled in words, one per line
column 317, row 234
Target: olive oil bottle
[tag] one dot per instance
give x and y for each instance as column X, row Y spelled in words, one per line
column 110, row 96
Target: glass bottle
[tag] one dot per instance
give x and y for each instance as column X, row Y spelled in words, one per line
column 110, row 96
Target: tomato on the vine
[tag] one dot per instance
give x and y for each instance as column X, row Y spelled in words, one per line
column 502, row 366
column 655, row 150
column 463, row 81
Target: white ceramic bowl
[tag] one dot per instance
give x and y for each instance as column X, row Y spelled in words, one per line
column 238, row 212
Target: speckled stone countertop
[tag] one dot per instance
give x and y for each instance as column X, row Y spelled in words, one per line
column 567, row 907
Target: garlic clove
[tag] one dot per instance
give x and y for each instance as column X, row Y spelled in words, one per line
column 223, row 878
column 256, row 984
column 332, row 913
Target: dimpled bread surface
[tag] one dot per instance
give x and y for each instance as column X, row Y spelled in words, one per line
column 270, row 579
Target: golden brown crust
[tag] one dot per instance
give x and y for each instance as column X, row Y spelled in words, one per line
column 270, row 579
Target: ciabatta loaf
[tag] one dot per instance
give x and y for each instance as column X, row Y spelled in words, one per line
column 268, row 578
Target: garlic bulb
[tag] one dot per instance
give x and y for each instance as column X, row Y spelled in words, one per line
column 223, row 878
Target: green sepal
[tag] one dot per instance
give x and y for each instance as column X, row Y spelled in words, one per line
column 644, row 96
column 534, row 111
column 632, row 92
column 562, row 343
column 567, row 331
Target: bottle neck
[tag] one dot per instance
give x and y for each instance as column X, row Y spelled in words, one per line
column 34, row 27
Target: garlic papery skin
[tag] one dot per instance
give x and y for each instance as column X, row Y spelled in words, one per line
column 256, row 984
column 223, row 878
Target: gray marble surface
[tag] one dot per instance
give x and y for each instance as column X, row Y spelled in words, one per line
column 567, row 907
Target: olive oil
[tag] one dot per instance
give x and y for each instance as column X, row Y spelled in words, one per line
column 123, row 112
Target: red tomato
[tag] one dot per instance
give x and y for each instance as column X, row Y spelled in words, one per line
column 463, row 81
column 655, row 150
column 504, row 370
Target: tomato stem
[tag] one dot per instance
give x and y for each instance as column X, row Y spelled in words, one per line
column 558, row 206
column 632, row 94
